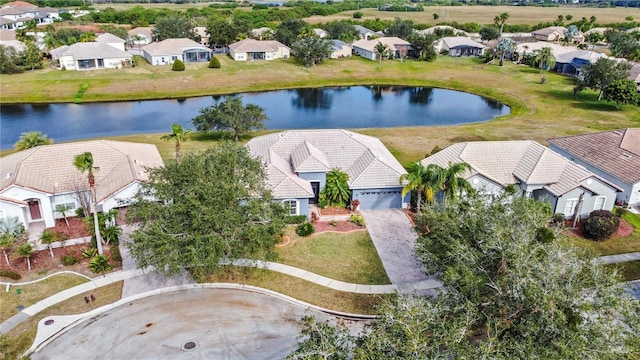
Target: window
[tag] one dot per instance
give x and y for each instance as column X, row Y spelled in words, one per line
column 570, row 207
column 291, row 206
column 174, row 58
column 599, row 203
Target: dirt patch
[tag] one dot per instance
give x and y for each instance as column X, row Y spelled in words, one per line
column 624, row 230
column 334, row 211
column 336, row 226
column 77, row 228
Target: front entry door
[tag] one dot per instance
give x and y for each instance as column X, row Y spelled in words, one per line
column 315, row 185
column 34, row 209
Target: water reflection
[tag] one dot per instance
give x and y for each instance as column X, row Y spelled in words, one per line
column 420, row 95
column 312, row 98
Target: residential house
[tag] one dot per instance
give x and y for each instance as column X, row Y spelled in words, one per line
column 89, row 56
column 251, row 49
column 365, row 34
column 297, row 162
column 530, row 48
column 434, row 29
column 534, row 170
column 572, row 62
column 634, row 73
column 204, row 35
column 17, row 45
column 167, row 51
column 460, row 46
column 35, row 181
column 111, row 40
column 339, row 49
column 15, row 14
column 551, row 33
column 262, row 33
column 613, row 155
column 397, row 47
column 320, row 33
column 140, row 36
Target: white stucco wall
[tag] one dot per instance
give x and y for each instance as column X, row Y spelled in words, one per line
column 120, row 198
column 364, row 53
column 46, row 211
column 9, row 209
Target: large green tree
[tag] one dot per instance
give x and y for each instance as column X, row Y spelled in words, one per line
column 32, row 139
column 289, row 30
column 343, row 30
column 489, row 33
column 623, row 44
column 543, row 59
column 423, row 44
column 624, row 91
column 84, row 163
column 230, row 114
column 31, row 56
column 207, row 207
column 173, row 27
column 311, row 50
column 223, row 32
column 400, row 28
column 602, row 73
column 508, row 293
column 9, row 60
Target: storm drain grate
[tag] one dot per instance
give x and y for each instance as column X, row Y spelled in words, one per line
column 48, row 322
column 189, row 345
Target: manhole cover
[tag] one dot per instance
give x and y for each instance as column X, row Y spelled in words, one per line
column 189, row 345
column 48, row 322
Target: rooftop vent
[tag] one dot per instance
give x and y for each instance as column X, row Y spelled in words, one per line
column 8, row 176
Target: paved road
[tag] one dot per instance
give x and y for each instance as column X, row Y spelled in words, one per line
column 393, row 236
column 221, row 324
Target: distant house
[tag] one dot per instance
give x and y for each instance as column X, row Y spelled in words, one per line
column 15, row 14
column 434, row 29
column 17, row 45
column 111, row 40
column 140, row 36
column 36, row 180
column 167, row 51
column 551, row 33
column 89, row 56
column 339, row 49
column 613, row 155
column 261, row 33
column 204, row 35
column 397, row 47
column 571, row 63
column 251, row 49
column 297, row 162
column 365, row 34
column 320, row 33
column 634, row 74
column 460, row 46
column 534, row 170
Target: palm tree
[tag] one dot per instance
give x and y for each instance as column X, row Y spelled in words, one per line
column 48, row 237
column 544, row 59
column 505, row 46
column 25, row 251
column 451, row 183
column 178, row 134
column 11, row 229
column 100, row 264
column 500, row 20
column 336, row 190
column 84, row 163
column 381, row 50
column 32, row 139
column 571, row 32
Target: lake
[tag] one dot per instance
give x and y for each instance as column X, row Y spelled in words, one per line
column 349, row 107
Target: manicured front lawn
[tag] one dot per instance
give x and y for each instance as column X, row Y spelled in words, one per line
column 614, row 245
column 630, row 270
column 349, row 257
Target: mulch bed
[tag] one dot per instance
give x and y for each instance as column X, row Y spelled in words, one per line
column 334, row 211
column 77, row 228
column 340, row 226
column 625, row 229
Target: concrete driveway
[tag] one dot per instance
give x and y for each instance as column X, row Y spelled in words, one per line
column 187, row 324
column 395, row 240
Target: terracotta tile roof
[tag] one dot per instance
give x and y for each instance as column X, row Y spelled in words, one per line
column 50, row 168
column 616, row 152
column 514, row 162
column 365, row 159
column 22, row 4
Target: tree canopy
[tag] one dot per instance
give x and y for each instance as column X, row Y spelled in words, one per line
column 311, row 50
column 205, row 208
column 174, row 27
column 343, row 30
column 32, row 139
column 289, row 30
column 400, row 28
column 623, row 91
column 603, row 72
column 489, row 33
column 230, row 114
column 509, row 293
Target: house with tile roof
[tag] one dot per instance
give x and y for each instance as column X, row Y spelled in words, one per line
column 550, row 33
column 111, row 40
column 167, row 51
column 459, row 46
column 534, row 170
column 34, row 181
column 396, row 46
column 571, row 63
column 297, row 162
column 89, row 56
column 613, row 155
column 339, row 49
column 14, row 15
column 251, row 49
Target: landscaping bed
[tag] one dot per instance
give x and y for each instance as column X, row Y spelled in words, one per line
column 336, row 226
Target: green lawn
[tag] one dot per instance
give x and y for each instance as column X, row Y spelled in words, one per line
column 614, row 245
column 630, row 270
column 347, row 257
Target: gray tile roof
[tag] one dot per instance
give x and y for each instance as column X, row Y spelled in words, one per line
column 616, row 152
column 172, row 47
column 90, row 50
column 365, row 159
column 514, row 162
column 252, row 45
column 456, row 41
column 109, row 38
column 50, row 168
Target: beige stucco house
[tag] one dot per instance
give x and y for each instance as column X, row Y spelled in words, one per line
column 251, row 49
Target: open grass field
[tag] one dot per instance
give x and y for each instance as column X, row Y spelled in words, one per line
column 483, row 15
column 349, row 257
column 18, row 340
column 539, row 111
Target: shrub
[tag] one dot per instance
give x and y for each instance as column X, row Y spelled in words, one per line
column 620, row 211
column 178, row 65
column 10, row 274
column 115, row 254
column 214, row 63
column 296, row 219
column 558, row 219
column 100, row 264
column 600, row 225
column 305, row 229
column 89, row 253
column 357, row 219
column 358, row 15
column 69, row 259
column 545, row 235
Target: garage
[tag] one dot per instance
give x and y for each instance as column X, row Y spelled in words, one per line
column 374, row 199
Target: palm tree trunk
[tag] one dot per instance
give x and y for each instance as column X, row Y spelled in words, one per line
column 419, row 201
column 29, row 264
column 96, row 226
column 50, row 250
column 178, row 149
column 600, row 95
column 6, row 258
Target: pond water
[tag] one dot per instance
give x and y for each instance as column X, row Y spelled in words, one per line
column 349, row 107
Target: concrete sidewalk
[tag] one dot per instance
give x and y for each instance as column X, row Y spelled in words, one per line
column 620, row 258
